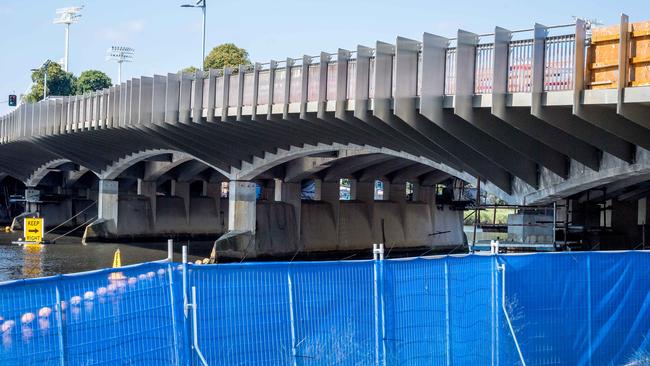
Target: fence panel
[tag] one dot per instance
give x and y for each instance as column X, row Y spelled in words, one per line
column 416, row 299
column 120, row 316
column 30, row 331
column 546, row 298
column 332, row 306
column 243, row 313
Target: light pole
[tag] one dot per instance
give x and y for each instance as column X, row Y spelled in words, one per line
column 200, row 4
column 44, row 68
column 67, row 16
column 120, row 54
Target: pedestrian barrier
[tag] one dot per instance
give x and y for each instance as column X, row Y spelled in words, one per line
column 586, row 308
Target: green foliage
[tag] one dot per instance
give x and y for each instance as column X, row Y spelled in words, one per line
column 226, row 55
column 59, row 82
column 488, row 216
column 92, row 80
column 190, row 70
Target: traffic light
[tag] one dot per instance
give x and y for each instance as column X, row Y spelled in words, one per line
column 12, row 100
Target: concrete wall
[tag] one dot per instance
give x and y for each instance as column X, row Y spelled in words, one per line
column 276, row 228
column 318, row 226
column 355, row 225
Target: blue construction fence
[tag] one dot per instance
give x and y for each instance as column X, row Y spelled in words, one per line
column 587, row 308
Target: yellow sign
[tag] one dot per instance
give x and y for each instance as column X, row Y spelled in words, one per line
column 34, row 229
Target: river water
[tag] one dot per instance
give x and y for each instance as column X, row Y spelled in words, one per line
column 68, row 255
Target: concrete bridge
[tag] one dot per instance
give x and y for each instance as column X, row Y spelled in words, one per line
column 515, row 110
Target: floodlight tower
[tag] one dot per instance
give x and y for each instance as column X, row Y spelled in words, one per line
column 67, row 16
column 120, row 54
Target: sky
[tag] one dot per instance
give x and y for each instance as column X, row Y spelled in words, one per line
column 167, row 38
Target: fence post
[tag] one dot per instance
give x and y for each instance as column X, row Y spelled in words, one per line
column 378, row 284
column 447, row 317
column 186, row 322
column 170, row 274
column 292, row 318
column 589, row 305
column 59, row 322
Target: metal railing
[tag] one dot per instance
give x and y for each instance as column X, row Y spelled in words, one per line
column 483, row 69
column 450, row 71
column 520, row 66
column 559, row 62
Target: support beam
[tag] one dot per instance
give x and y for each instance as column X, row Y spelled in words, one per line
column 108, row 203
column 242, row 206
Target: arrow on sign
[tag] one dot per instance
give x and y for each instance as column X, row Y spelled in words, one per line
column 33, row 231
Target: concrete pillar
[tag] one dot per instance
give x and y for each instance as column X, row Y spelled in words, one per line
column 289, row 193
column 397, row 192
column 182, row 189
column 363, row 191
column 331, row 193
column 416, row 192
column 242, row 206
column 149, row 189
column 107, row 205
column 32, row 196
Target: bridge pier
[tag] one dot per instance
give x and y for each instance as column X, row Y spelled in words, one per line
column 149, row 190
column 182, row 190
column 107, row 204
column 242, row 206
column 290, row 193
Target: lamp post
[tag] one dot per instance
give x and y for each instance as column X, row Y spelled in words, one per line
column 44, row 68
column 67, row 16
column 200, row 4
column 120, row 54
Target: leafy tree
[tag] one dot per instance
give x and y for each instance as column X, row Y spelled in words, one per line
column 59, row 82
column 226, row 55
column 190, row 70
column 92, row 80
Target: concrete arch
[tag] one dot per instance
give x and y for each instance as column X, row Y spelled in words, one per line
column 114, row 170
column 249, row 171
column 584, row 179
column 42, row 171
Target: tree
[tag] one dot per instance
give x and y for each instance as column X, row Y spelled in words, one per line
column 226, row 55
column 190, row 70
column 92, row 80
column 59, row 82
